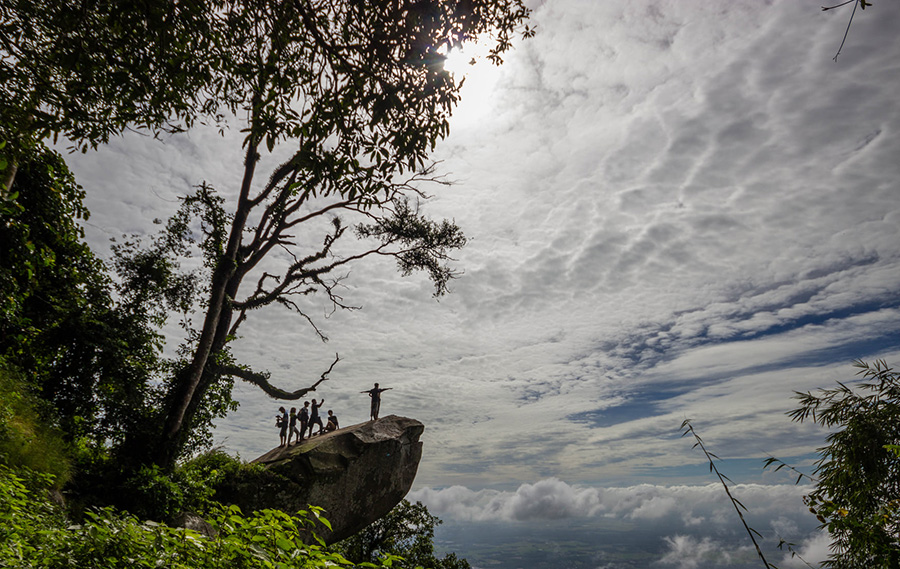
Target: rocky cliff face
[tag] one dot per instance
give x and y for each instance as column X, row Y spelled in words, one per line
column 357, row 474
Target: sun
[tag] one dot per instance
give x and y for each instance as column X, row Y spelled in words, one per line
column 470, row 63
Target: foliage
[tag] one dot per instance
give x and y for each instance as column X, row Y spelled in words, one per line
column 149, row 492
column 41, row 239
column 199, row 477
column 25, row 440
column 35, row 534
column 90, row 69
column 91, row 359
column 191, row 487
column 857, row 489
column 407, row 532
column 856, row 481
column 26, row 514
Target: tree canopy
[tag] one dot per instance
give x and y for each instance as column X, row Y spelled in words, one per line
column 80, row 350
column 88, row 70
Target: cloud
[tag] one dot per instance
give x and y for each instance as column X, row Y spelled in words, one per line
column 679, row 526
column 552, row 498
column 687, row 552
column 810, row 553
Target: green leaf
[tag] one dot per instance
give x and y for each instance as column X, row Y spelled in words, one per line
column 285, row 544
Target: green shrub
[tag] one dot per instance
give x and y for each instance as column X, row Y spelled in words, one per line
column 151, row 494
column 199, row 477
column 28, row 438
column 34, row 534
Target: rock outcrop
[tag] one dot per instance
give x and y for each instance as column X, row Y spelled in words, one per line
column 357, row 474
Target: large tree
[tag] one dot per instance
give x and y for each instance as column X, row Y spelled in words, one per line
column 359, row 91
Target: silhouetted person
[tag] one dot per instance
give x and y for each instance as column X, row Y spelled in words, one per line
column 314, row 418
column 282, row 422
column 292, row 429
column 303, row 418
column 375, row 394
column 332, row 423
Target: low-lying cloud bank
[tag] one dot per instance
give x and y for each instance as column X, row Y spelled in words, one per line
column 691, row 525
column 555, row 499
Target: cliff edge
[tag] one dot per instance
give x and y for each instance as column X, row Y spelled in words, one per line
column 357, row 474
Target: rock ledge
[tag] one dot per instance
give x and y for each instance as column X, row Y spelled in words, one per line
column 357, row 474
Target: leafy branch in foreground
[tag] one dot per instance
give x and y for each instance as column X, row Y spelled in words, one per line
column 781, row 464
column 740, row 508
column 856, row 480
column 857, row 494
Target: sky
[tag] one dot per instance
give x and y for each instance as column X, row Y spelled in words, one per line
column 675, row 210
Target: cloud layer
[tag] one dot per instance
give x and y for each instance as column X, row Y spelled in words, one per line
column 678, row 526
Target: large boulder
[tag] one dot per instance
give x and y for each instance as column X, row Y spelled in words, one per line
column 357, row 474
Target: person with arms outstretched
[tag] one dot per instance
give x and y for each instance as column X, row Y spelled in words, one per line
column 375, row 394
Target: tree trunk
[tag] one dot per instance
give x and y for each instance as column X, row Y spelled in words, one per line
column 184, row 396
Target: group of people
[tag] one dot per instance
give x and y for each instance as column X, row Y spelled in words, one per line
column 308, row 417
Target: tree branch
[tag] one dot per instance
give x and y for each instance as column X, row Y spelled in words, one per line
column 261, row 380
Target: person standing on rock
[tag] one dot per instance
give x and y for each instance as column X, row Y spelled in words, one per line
column 375, row 394
column 282, row 421
column 314, row 418
column 303, row 417
column 292, row 429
